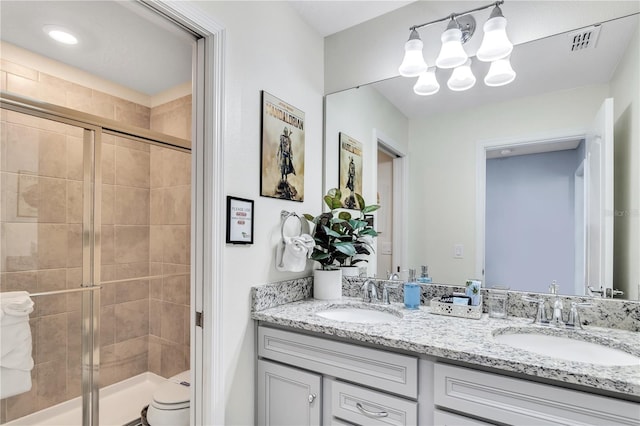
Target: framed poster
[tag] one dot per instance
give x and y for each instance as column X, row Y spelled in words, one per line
column 281, row 150
column 239, row 220
column 350, row 169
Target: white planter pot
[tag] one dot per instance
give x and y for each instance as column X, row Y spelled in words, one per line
column 327, row 284
column 350, row 271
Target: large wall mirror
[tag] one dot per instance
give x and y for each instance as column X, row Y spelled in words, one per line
column 446, row 168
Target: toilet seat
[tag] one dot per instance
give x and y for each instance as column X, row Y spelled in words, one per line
column 170, row 402
column 171, row 395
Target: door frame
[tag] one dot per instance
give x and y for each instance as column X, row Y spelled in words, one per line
column 482, row 147
column 207, row 215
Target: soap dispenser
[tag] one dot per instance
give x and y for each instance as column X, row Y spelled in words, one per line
column 412, row 291
column 424, row 276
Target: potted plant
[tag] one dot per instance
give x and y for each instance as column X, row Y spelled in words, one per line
column 339, row 239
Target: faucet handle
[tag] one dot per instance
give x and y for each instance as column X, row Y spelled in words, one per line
column 541, row 316
column 574, row 316
column 385, row 291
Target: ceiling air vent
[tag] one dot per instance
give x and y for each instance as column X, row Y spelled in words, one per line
column 584, row 38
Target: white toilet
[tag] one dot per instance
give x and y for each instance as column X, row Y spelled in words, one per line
column 170, row 402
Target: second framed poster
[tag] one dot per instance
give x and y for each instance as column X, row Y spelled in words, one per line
column 282, row 150
column 350, row 170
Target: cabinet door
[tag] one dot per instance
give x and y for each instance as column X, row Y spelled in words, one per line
column 287, row 396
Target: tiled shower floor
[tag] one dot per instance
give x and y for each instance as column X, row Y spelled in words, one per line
column 120, row 404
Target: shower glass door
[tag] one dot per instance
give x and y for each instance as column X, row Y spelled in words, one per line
column 48, row 249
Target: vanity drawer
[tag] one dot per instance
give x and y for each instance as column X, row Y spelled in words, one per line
column 518, row 401
column 391, row 372
column 443, row 418
column 363, row 406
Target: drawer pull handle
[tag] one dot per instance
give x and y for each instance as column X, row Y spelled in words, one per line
column 312, row 398
column 366, row 412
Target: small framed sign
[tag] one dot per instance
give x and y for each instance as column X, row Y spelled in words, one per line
column 239, row 220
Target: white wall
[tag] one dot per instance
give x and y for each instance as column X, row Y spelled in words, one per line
column 268, row 47
column 442, row 169
column 366, row 116
column 625, row 90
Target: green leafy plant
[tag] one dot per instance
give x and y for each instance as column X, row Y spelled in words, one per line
column 340, row 237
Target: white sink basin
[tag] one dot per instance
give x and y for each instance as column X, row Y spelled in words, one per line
column 359, row 315
column 568, row 349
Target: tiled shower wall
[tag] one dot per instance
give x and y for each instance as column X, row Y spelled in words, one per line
column 145, row 232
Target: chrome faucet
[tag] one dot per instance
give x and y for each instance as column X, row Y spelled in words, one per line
column 369, row 291
column 541, row 315
column 393, row 277
column 574, row 316
column 385, row 292
column 556, row 312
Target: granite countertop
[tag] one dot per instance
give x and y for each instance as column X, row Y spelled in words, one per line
column 468, row 340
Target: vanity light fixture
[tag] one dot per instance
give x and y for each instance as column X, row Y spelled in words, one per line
column 60, row 34
column 462, row 78
column 495, row 48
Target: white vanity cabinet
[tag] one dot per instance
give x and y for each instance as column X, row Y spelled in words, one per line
column 513, row 401
column 289, row 396
column 360, row 385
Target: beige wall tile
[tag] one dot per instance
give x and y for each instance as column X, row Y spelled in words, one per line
column 132, row 205
column 107, row 325
column 102, row 105
column 23, row 86
column 20, row 197
column 174, row 289
column 172, row 325
column 108, row 365
column 155, row 289
column 155, row 268
column 74, row 341
column 53, row 90
column 52, row 207
column 52, row 383
column 52, row 246
column 20, row 149
column 177, row 167
column 51, row 280
column 52, row 331
column 131, row 113
column 19, row 281
column 132, row 320
column 155, row 317
column 156, row 171
column 156, row 243
column 175, row 244
column 132, row 270
column 79, row 98
column 132, row 290
column 52, row 154
column 74, row 245
column 18, row 69
column 156, row 206
column 75, row 158
column 132, row 356
column 132, row 167
column 108, row 164
column 74, row 280
column 174, row 360
column 132, row 144
column 108, row 204
column 107, row 246
column 108, row 294
column 155, row 355
column 74, row 201
column 20, row 246
column 132, row 244
column 177, row 205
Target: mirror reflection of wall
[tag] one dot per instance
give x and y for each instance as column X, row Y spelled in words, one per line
column 441, row 149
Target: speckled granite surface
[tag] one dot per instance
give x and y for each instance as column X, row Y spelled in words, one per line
column 614, row 323
column 468, row 340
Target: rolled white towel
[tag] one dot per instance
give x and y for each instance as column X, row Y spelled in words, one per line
column 15, row 303
column 14, row 382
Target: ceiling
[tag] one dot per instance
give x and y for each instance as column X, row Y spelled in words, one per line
column 119, row 41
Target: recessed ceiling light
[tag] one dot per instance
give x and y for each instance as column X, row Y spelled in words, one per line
column 506, row 151
column 60, row 34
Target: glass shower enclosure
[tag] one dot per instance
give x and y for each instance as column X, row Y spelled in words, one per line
column 95, row 226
